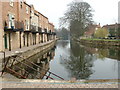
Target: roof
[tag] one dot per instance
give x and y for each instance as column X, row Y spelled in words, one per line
column 36, row 10
column 51, row 24
column 91, row 29
column 43, row 15
column 36, row 13
column 27, row 4
column 111, row 26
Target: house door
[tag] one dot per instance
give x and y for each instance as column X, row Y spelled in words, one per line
column 5, row 41
column 24, row 39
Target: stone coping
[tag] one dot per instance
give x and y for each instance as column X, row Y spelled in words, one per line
column 32, row 83
column 24, row 49
column 99, row 81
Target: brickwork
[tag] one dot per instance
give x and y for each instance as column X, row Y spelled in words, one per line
column 1, row 28
column 22, row 25
column 119, row 12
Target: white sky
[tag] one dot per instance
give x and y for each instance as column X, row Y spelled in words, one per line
column 105, row 11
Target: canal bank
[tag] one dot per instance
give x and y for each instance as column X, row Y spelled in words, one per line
column 87, row 74
column 105, row 42
column 24, row 53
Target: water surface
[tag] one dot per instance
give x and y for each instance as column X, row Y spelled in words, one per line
column 73, row 60
column 70, row 59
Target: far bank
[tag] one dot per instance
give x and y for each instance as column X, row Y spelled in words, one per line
column 106, row 42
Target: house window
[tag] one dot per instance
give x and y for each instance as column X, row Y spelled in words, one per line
column 36, row 27
column 27, row 10
column 11, row 21
column 21, row 4
column 27, row 24
column 11, row 3
column 32, row 13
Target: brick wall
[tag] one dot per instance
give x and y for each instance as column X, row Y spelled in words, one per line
column 119, row 12
column 23, row 15
column 51, row 27
column 1, row 29
column 19, row 11
column 8, row 9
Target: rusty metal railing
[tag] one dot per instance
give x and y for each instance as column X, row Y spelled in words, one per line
column 44, row 69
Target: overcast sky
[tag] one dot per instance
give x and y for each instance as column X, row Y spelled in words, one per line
column 105, row 11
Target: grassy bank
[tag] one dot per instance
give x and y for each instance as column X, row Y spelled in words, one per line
column 106, row 42
column 94, row 39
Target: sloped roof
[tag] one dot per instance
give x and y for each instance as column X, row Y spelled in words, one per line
column 91, row 29
column 111, row 26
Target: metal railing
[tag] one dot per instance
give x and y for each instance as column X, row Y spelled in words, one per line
column 43, row 69
column 33, row 28
column 13, row 24
column 39, row 29
column 22, row 76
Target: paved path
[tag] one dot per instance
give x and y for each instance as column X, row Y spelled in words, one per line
column 54, row 84
column 15, row 51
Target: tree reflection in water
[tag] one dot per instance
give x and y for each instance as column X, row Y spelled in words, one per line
column 112, row 52
column 73, row 60
column 80, row 62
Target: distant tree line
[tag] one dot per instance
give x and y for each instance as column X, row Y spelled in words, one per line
column 63, row 33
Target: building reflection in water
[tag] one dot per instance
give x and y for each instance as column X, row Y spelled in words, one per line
column 37, row 68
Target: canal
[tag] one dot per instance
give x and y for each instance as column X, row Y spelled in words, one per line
column 70, row 59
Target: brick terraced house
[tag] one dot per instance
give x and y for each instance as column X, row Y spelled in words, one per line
column 22, row 25
column 113, row 29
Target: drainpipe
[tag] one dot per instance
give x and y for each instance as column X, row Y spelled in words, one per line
column 39, row 37
column 20, row 39
column 27, row 40
column 9, row 42
column 35, row 38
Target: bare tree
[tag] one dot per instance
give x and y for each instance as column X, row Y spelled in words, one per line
column 78, row 16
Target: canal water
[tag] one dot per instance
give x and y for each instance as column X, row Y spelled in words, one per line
column 70, row 59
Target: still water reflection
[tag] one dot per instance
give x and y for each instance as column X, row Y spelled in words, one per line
column 73, row 60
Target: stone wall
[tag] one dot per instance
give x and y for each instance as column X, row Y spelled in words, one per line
column 1, row 28
column 29, row 53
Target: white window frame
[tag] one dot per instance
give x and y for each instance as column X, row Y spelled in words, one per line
column 11, row 21
column 21, row 4
column 12, row 3
column 27, row 10
column 27, row 24
column 32, row 13
column 36, row 27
